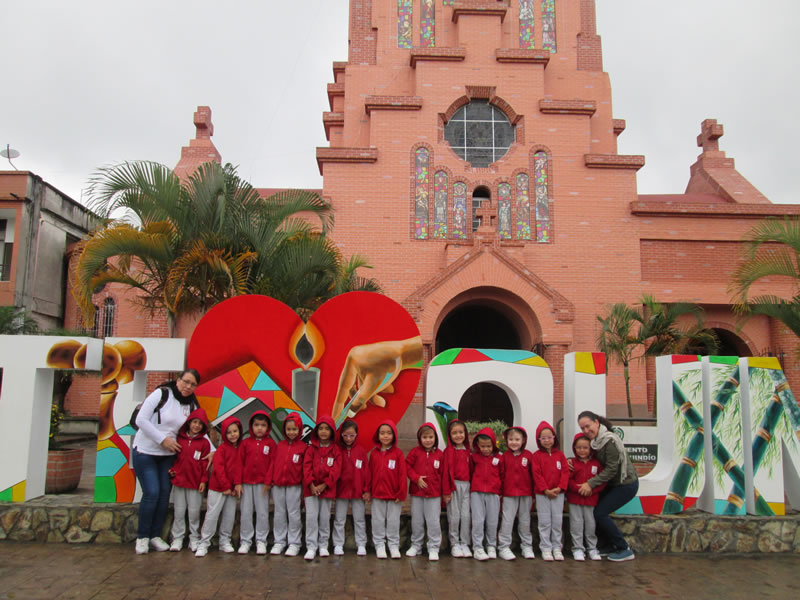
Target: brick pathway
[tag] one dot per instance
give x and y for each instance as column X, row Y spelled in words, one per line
column 57, row 571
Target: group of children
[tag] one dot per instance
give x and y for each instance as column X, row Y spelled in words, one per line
column 333, row 474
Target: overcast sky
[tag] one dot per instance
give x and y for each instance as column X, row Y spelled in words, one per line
column 91, row 82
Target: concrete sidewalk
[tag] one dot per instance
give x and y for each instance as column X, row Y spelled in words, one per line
column 56, row 571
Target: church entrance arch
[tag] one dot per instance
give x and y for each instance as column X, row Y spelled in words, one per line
column 730, row 344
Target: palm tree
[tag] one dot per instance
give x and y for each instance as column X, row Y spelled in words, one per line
column 619, row 338
column 15, row 321
column 661, row 334
column 772, row 250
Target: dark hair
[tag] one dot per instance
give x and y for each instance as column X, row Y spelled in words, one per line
column 483, row 436
column 349, row 424
column 596, row 417
column 255, row 418
column 192, row 372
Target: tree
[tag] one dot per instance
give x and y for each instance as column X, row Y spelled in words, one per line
column 619, row 338
column 772, row 250
column 14, row 321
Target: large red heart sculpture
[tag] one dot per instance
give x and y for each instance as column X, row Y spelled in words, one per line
column 264, row 330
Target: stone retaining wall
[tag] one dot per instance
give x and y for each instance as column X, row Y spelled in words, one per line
column 691, row 532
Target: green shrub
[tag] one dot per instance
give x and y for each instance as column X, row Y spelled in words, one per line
column 473, row 427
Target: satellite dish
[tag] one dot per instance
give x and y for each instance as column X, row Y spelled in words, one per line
column 9, row 153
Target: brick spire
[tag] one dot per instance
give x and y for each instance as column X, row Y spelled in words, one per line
column 201, row 149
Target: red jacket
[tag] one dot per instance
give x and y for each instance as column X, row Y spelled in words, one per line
column 287, row 468
column 322, row 464
column 354, row 480
column 456, row 461
column 486, row 471
column 583, row 471
column 387, row 469
column 226, row 471
column 428, row 464
column 517, row 470
column 257, row 454
column 550, row 469
column 190, row 469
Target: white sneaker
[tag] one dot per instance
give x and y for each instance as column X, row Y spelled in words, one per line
column 380, row 551
column 394, row 552
column 456, row 551
column 595, row 555
column 527, row 552
column 362, row 551
column 226, row 548
column 244, row 548
column 433, row 555
column 507, row 554
column 176, row 546
column 292, row 550
column 338, row 551
column 465, row 551
column 557, row 554
column 277, row 549
column 323, row 552
column 261, row 548
column 193, row 545
column 413, row 551
column 491, row 552
column 480, row 554
column 142, row 545
column 310, row 555
column 547, row 555
column 201, row 551
column 578, row 555
column 158, row 544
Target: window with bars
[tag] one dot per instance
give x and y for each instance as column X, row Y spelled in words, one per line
column 108, row 317
column 479, row 133
column 6, row 249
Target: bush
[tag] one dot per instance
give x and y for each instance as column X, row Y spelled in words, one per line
column 473, row 427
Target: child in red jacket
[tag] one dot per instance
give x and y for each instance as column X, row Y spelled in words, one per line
column 486, row 469
column 352, row 489
column 189, row 478
column 455, row 488
column 550, row 479
column 517, row 493
column 425, row 466
column 257, row 453
column 224, row 487
column 581, row 508
column 322, row 466
column 387, row 468
column 287, row 488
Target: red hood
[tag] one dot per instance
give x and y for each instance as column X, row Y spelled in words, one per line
column 578, row 436
column 298, row 420
column 521, row 430
column 485, row 431
column 263, row 414
column 197, row 413
column 466, row 433
column 435, row 434
column 227, row 423
column 546, row 425
column 391, row 424
column 339, row 439
column 330, row 423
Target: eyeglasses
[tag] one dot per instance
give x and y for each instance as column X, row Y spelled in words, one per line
column 188, row 382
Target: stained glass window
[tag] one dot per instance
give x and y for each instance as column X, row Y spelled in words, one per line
column 523, row 208
column 421, row 160
column 440, row 181
column 405, row 12
column 479, row 133
column 541, row 197
column 549, row 25
column 460, row 211
column 526, row 24
column 504, row 211
column 427, row 24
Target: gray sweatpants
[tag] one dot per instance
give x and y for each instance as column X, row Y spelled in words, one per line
column 485, row 514
column 254, row 500
column 287, row 523
column 386, row 522
column 218, row 504
column 318, row 522
column 519, row 507
column 550, row 514
column 186, row 500
column 426, row 512
column 359, row 522
column 458, row 518
column 581, row 521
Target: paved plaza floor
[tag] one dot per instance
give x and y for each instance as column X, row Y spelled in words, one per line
column 31, row 571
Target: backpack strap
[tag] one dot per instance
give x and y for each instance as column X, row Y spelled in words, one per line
column 162, row 402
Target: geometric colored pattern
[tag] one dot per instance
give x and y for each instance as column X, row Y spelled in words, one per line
column 421, row 192
column 404, row 17
column 459, row 211
column 426, row 33
column 471, row 355
column 679, row 359
column 526, row 24
column 440, row 205
column 523, row 208
column 16, row 493
column 541, row 197
column 593, row 363
column 549, row 25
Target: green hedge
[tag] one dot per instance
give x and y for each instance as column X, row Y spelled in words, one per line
column 498, row 427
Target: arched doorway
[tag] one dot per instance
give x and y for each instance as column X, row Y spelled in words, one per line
column 486, row 402
column 478, row 325
column 730, row 344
